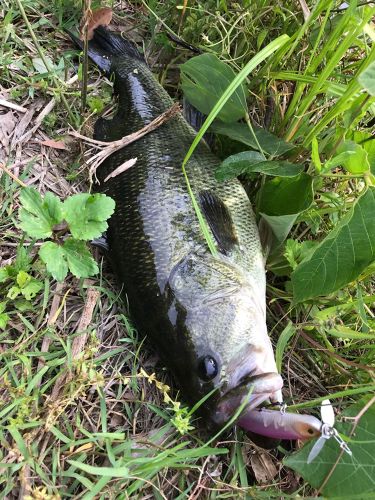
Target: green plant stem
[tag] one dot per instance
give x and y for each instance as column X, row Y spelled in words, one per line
column 45, row 62
column 248, row 123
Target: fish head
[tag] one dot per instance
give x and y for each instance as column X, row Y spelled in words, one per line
column 228, row 350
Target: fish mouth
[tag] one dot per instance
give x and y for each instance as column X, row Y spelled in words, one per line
column 250, row 394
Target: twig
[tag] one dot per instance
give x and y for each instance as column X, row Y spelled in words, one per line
column 11, row 105
column 111, row 147
column 356, row 422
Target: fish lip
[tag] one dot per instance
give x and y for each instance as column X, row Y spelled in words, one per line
column 258, row 389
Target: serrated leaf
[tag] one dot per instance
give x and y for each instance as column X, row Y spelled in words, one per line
column 86, row 214
column 353, row 475
column 30, row 290
column 249, row 162
column 367, row 79
column 240, row 132
column 204, row 79
column 38, row 216
column 79, row 259
column 342, row 255
column 53, row 256
column 285, row 196
column 2, row 306
column 13, row 292
column 22, row 279
column 282, row 342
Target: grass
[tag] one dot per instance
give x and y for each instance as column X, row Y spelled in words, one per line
column 110, row 430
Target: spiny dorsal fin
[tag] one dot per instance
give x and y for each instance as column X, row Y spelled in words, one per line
column 219, row 221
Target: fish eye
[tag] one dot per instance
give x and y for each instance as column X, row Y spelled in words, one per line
column 207, row 368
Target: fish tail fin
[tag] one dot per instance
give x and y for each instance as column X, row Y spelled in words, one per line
column 105, row 45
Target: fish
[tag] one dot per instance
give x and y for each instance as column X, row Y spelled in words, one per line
column 205, row 314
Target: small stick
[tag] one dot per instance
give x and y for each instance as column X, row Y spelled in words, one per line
column 11, row 105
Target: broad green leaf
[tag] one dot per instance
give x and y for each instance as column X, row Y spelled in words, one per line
column 53, row 256
column 354, row 475
column 204, row 79
column 235, row 165
column 249, row 162
column 282, row 342
column 286, row 196
column 38, row 216
column 13, row 292
column 367, row 79
column 357, row 161
column 280, row 225
column 30, row 290
column 79, row 259
column 339, row 259
column 86, row 214
column 240, row 132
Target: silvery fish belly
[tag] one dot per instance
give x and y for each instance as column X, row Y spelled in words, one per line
column 205, row 314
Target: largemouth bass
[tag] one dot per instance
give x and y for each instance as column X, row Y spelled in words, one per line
column 205, row 314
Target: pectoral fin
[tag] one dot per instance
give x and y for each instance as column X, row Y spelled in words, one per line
column 219, row 221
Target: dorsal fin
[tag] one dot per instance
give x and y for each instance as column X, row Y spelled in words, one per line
column 219, row 221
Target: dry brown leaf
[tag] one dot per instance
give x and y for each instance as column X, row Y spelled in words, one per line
column 54, row 144
column 99, row 17
column 263, row 467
